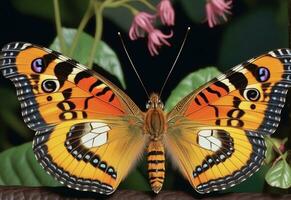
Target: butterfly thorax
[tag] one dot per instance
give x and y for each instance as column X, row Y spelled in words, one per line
column 155, row 120
column 155, row 126
column 89, row 132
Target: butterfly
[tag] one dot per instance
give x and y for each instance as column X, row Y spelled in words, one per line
column 90, row 134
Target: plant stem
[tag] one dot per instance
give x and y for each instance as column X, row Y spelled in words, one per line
column 108, row 2
column 98, row 31
column 274, row 146
column 88, row 14
column 59, row 26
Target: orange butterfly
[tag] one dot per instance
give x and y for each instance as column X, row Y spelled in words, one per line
column 89, row 133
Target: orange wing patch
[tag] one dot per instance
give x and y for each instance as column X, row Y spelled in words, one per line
column 86, row 155
column 245, row 97
column 215, row 158
column 217, row 131
column 83, row 121
column 53, row 88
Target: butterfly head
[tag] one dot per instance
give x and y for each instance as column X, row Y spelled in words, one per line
column 154, row 102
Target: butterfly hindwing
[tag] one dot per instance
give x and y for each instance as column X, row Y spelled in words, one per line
column 89, row 133
column 215, row 158
column 216, row 133
column 89, row 155
column 80, row 117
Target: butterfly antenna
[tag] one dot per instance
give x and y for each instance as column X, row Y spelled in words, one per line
column 124, row 47
column 174, row 64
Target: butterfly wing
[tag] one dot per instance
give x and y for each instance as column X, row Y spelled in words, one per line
column 84, row 124
column 216, row 133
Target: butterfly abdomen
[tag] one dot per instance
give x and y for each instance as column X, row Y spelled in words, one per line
column 156, row 164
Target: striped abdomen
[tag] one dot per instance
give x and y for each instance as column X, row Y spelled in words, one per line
column 156, row 164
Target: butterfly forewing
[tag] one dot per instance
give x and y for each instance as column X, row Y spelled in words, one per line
column 216, row 133
column 89, row 133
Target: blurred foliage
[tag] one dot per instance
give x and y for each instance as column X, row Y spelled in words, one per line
column 10, row 121
column 104, row 56
column 190, row 83
column 255, row 183
column 19, row 167
column 198, row 15
column 19, row 163
column 71, row 12
column 271, row 153
column 279, row 174
column 261, row 28
column 275, row 146
column 254, row 33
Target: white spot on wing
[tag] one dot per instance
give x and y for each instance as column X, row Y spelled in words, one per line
column 48, row 50
column 237, row 68
column 96, row 136
column 72, row 75
column 16, row 45
column 208, row 141
column 25, row 45
column 97, row 124
column 101, row 129
column 272, row 54
column 63, row 58
column 227, row 82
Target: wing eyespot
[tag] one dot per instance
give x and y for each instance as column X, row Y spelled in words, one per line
column 264, row 74
column 252, row 94
column 50, row 85
column 38, row 65
column 38, row 73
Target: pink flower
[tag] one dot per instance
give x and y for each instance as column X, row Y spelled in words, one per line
column 156, row 39
column 142, row 22
column 166, row 12
column 217, row 10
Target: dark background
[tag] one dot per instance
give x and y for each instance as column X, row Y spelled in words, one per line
column 202, row 47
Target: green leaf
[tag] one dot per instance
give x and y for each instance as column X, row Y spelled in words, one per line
column 71, row 12
column 120, row 16
column 8, row 113
column 194, row 9
column 270, row 154
column 4, row 141
column 190, row 83
column 19, row 167
column 255, row 183
column 12, row 120
column 8, row 94
column 104, row 56
column 252, row 34
column 279, row 175
column 135, row 181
